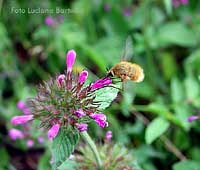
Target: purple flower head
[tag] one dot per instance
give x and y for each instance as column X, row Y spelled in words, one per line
column 61, row 80
column 100, row 119
column 16, row 120
column 177, row 3
column 21, row 105
column 70, row 59
column 53, row 131
column 15, row 134
column 127, row 12
column 30, row 143
column 192, row 118
column 49, row 21
column 81, row 127
column 67, row 101
column 83, row 76
column 106, row 7
column 184, row 2
column 40, row 139
column 101, row 83
column 80, row 113
column 108, row 136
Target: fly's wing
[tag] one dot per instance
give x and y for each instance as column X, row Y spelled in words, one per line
column 127, row 97
column 128, row 50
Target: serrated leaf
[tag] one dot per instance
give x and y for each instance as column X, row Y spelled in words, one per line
column 106, row 95
column 68, row 164
column 155, row 129
column 63, row 146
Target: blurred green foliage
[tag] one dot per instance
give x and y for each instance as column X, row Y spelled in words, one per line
column 165, row 43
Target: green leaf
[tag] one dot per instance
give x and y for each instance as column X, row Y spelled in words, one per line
column 187, row 165
column 106, row 95
column 40, row 33
column 4, row 159
column 192, row 87
column 192, row 63
column 144, row 89
column 177, row 91
column 168, row 61
column 68, row 164
column 155, row 129
column 163, row 111
column 114, row 49
column 111, row 23
column 137, row 20
column 43, row 163
column 168, row 6
column 93, row 55
column 181, row 139
column 182, row 111
column 176, row 33
column 63, row 146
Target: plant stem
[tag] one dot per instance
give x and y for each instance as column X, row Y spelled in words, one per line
column 1, row 4
column 93, row 147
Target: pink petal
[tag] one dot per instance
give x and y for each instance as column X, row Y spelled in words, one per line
column 70, row 59
column 15, row 134
column 83, row 76
column 16, row 120
column 52, row 133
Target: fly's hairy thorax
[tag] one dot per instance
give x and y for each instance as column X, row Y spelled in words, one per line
column 128, row 71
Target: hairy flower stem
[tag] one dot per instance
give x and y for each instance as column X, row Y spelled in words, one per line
column 93, row 147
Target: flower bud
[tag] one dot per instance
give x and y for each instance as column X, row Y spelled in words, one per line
column 192, row 118
column 49, row 21
column 100, row 119
column 108, row 136
column 60, row 80
column 82, row 127
column 15, row 134
column 101, row 83
column 70, row 59
column 30, row 143
column 83, row 76
column 16, row 120
column 21, row 105
column 107, row 7
column 53, row 131
column 79, row 113
column 40, row 139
